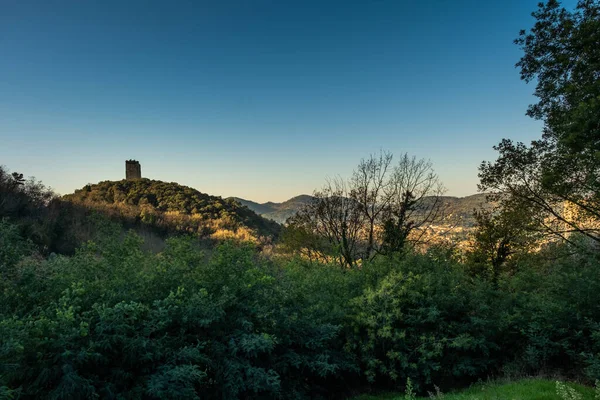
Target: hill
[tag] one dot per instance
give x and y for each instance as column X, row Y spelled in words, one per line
column 278, row 212
column 171, row 207
column 460, row 209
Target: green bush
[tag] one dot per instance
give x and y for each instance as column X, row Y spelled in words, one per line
column 115, row 321
column 555, row 311
column 426, row 321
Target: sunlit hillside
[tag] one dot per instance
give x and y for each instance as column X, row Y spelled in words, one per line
column 174, row 208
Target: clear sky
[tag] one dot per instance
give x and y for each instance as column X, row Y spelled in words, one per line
column 259, row 99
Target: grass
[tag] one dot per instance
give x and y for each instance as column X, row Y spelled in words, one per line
column 526, row 389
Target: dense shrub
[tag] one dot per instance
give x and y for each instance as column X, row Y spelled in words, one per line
column 555, row 312
column 427, row 321
column 116, row 321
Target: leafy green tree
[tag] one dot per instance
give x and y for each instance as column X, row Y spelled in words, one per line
column 499, row 236
column 558, row 175
column 563, row 57
column 21, row 198
column 331, row 224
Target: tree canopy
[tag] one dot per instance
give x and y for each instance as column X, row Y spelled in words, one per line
column 557, row 176
column 171, row 206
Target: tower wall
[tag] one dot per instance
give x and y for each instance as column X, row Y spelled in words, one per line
column 133, row 170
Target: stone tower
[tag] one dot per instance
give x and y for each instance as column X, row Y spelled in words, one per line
column 133, row 170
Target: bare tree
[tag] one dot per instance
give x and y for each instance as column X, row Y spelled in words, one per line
column 372, row 191
column 335, row 217
column 415, row 204
column 380, row 209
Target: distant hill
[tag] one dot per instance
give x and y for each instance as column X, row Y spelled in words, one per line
column 278, row 212
column 174, row 208
column 460, row 209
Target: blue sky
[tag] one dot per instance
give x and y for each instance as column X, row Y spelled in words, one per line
column 258, row 99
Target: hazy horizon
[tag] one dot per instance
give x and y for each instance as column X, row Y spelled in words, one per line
column 259, row 100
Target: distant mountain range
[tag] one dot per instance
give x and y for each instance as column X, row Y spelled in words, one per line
column 459, row 208
column 278, row 212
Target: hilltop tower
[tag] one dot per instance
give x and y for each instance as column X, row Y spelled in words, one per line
column 133, row 170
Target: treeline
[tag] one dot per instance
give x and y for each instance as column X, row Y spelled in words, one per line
column 40, row 216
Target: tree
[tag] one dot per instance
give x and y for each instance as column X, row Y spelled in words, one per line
column 332, row 222
column 20, row 198
column 558, row 176
column 499, row 235
column 562, row 53
column 299, row 236
column 380, row 209
column 373, row 192
column 415, row 206
column 400, row 201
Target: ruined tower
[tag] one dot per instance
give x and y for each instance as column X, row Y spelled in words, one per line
column 133, row 170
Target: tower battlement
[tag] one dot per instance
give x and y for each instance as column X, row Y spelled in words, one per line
column 133, row 170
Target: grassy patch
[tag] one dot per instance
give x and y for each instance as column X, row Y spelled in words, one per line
column 527, row 389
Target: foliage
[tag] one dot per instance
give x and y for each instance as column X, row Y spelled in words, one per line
column 562, row 55
column 554, row 303
column 25, row 201
column 115, row 321
column 19, row 197
column 558, row 176
column 500, row 236
column 409, row 393
column 531, row 389
column 426, row 321
column 566, row 392
column 172, row 208
column 12, row 246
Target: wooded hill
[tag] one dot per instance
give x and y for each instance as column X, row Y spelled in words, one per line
column 173, row 208
column 278, row 212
